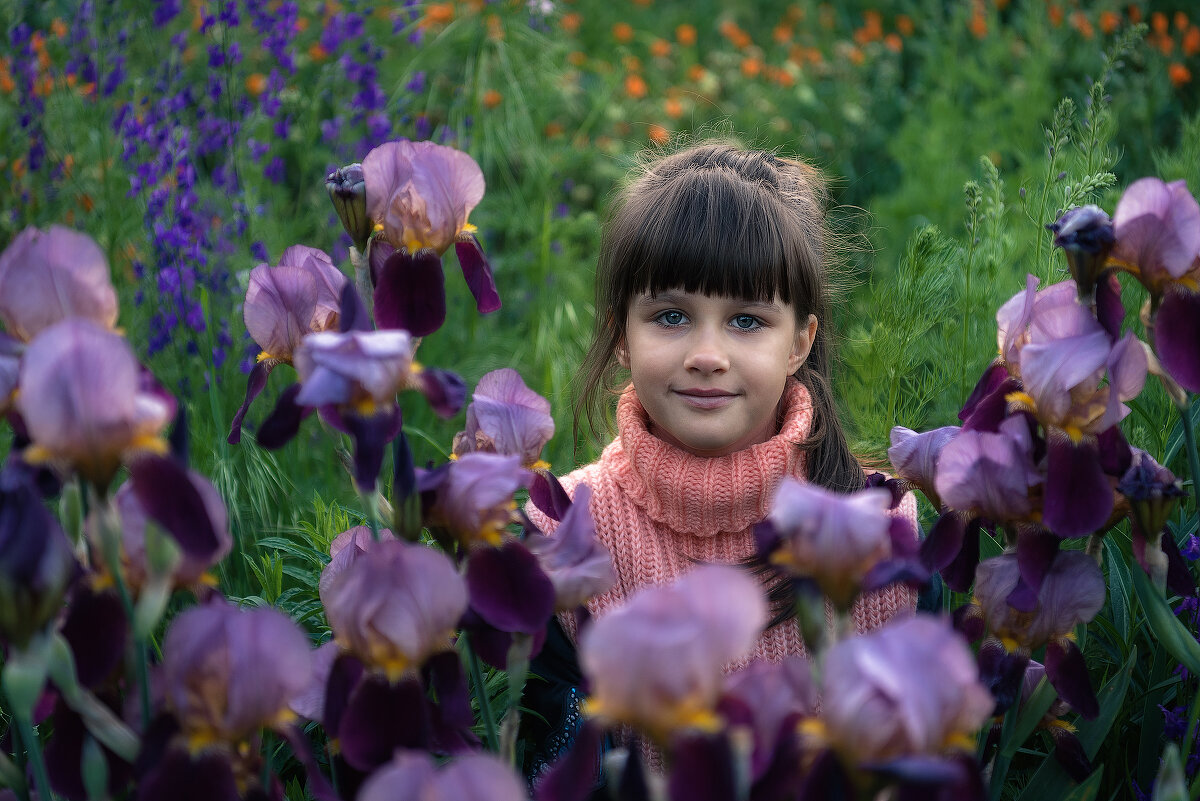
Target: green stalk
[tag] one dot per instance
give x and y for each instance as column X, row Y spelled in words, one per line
column 485, row 706
column 1001, row 763
column 372, row 510
column 1193, row 714
column 111, row 547
column 1189, row 438
column 34, row 748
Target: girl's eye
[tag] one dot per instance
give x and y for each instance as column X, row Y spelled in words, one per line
column 746, row 322
column 670, row 318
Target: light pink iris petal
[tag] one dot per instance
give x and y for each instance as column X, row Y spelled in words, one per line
column 476, row 777
column 1061, row 316
column 451, row 185
column 989, row 473
column 1127, row 367
column 346, row 548
column 1158, row 227
column 329, row 279
column 511, row 415
column 914, row 455
column 1013, row 318
column 385, row 170
column 1051, row 370
column 48, row 276
column 405, row 778
column 332, row 364
column 280, row 303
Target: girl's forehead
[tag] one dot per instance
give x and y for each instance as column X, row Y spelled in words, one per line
column 682, row 296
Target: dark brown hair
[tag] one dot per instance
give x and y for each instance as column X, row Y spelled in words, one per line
column 721, row 220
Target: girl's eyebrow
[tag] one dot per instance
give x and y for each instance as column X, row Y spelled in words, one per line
column 673, row 296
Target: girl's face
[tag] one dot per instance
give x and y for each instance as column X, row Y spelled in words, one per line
column 710, row 370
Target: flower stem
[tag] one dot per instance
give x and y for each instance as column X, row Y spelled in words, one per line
column 13, row 777
column 372, row 509
column 485, row 706
column 111, row 547
column 1189, row 438
column 34, row 748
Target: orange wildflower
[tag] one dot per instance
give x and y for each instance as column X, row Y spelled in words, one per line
column 1109, row 21
column 1081, row 23
column 553, row 129
column 635, row 86
column 751, row 67
column 873, row 23
column 88, row 89
column 18, row 168
column 495, row 28
column 437, row 14
column 571, row 22
column 904, row 25
column 492, row 98
column 301, row 25
column 1158, row 21
column 643, row 2
column 856, row 56
column 673, row 108
column 622, row 32
column 1055, row 13
column 1002, row 4
column 893, row 42
column 256, row 83
column 1191, row 42
column 72, row 79
column 658, row 134
column 576, row 58
column 632, row 64
column 736, row 36
column 685, row 34
column 1179, row 74
column 783, row 78
column 44, row 87
column 1164, row 43
column 825, row 16
column 1181, row 21
column 58, row 28
column 86, row 203
column 978, row 24
column 7, row 85
column 660, row 48
column 1135, row 13
column 316, row 52
column 782, row 33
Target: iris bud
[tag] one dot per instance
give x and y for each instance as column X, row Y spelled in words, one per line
column 348, row 191
column 1086, row 236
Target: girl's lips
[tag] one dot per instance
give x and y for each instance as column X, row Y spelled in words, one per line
column 706, row 398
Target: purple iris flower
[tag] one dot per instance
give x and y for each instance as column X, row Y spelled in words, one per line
column 1177, row 336
column 395, row 605
column 283, row 304
column 914, row 456
column 10, row 370
column 471, row 498
column 833, row 538
column 906, row 690
column 1086, row 236
column 228, row 672
column 989, row 474
column 505, row 416
column 48, row 276
column 1072, row 591
column 1153, row 492
column 1157, row 226
column 83, row 401
column 577, row 564
column 656, row 662
column 37, row 564
column 421, row 194
column 414, row 776
column 770, row 698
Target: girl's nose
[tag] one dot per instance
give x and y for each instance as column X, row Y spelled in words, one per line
column 706, row 354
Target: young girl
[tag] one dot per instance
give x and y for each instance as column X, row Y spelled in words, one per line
column 711, row 296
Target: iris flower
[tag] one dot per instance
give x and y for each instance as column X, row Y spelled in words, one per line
column 419, row 195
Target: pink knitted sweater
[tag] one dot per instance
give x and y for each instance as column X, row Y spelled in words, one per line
column 660, row 510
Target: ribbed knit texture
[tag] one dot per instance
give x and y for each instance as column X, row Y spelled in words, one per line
column 660, row 510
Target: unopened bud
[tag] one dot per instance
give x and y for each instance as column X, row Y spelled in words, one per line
column 348, row 191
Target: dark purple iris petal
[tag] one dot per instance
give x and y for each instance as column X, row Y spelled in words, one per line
column 1177, row 337
column 1036, row 551
column 182, row 777
column 382, row 717
column 1179, row 577
column 993, row 377
column 1109, row 309
column 353, row 314
column 573, row 776
column 410, row 293
column 166, row 493
column 284, row 421
column 1115, row 454
column 371, row 436
column 1078, row 498
column 959, row 574
column 404, row 476
column 64, row 754
column 451, row 718
column 378, row 253
column 1070, row 754
column 1068, row 673
column 254, row 385
column 445, row 391
column 702, row 768
column 549, row 496
column 478, row 274
column 944, row 541
column 826, row 780
column 96, row 630
column 509, row 589
column 1001, row 672
column 344, row 676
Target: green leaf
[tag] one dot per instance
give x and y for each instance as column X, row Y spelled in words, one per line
column 1175, row 439
column 1031, row 714
column 1169, row 784
column 1050, row 780
column 1118, row 590
column 1171, row 634
column 1090, row 787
